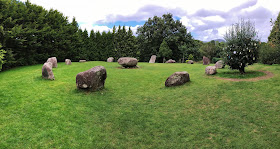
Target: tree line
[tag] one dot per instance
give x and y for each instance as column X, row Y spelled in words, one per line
column 30, row 34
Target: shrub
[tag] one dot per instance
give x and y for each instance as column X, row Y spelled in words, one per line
column 190, row 57
column 242, row 45
column 269, row 54
column 2, row 54
column 215, row 59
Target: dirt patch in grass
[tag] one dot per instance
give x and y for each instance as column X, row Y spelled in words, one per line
column 267, row 76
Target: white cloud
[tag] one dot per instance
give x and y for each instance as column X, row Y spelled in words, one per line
column 92, row 11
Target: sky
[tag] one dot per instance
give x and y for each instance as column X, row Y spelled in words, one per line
column 205, row 19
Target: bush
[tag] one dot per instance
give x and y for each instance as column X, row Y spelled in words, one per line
column 187, row 61
column 269, row 54
column 2, row 54
column 215, row 59
column 190, row 57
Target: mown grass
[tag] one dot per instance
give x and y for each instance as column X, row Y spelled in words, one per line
column 228, row 73
column 136, row 110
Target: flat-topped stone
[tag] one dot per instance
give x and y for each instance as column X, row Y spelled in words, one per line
column 92, row 79
column 210, row 70
column 82, row 61
column 170, row 61
column 177, row 78
column 128, row 62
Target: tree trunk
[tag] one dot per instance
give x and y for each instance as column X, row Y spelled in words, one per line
column 163, row 60
column 183, row 58
column 242, row 70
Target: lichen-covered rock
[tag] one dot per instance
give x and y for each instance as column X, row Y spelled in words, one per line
column 170, row 61
column 68, row 62
column 210, row 70
column 82, row 61
column 220, row 64
column 128, row 62
column 92, row 79
column 47, row 71
column 206, row 60
column 190, row 62
column 153, row 59
column 177, row 78
column 110, row 59
column 53, row 60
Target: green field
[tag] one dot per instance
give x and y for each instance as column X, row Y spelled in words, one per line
column 136, row 110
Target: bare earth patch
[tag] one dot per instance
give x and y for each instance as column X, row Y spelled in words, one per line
column 267, row 76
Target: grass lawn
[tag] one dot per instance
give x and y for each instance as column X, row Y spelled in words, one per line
column 136, row 110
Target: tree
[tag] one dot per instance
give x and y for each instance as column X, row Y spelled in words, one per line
column 274, row 37
column 2, row 54
column 155, row 30
column 183, row 49
column 164, row 50
column 242, row 44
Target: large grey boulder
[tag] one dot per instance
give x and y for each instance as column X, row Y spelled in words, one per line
column 153, row 59
column 210, row 70
column 47, row 71
column 128, row 62
column 92, row 79
column 53, row 60
column 68, row 62
column 177, row 78
column 170, row 61
column 206, row 60
column 220, row 64
column 190, row 62
column 110, row 59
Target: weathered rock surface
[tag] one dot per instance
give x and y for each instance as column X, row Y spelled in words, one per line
column 81, row 61
column 128, row 62
column 220, row 64
column 190, row 62
column 153, row 59
column 206, row 60
column 110, row 59
column 177, row 78
column 47, row 71
column 170, row 61
column 210, row 70
column 53, row 60
column 68, row 62
column 92, row 79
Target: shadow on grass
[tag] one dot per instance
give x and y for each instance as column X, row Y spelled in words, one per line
column 237, row 75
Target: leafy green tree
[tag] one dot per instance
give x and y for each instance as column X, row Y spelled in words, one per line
column 242, row 45
column 151, row 35
column 2, row 54
column 164, row 50
column 274, row 37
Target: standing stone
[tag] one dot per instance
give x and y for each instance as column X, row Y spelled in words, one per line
column 47, row 71
column 177, row 78
column 53, row 60
column 153, row 59
column 220, row 64
column 128, row 62
column 68, row 62
column 170, row 61
column 206, row 60
column 92, row 79
column 110, row 59
column 210, row 70
column 190, row 62
column 81, row 61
